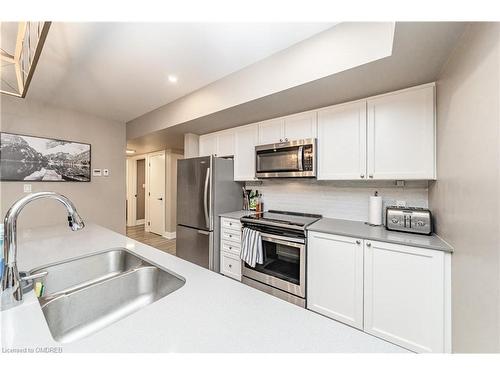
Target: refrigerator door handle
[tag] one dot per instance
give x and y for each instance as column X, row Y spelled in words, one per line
column 204, row 232
column 205, row 198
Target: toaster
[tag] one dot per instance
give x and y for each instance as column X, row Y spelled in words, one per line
column 408, row 219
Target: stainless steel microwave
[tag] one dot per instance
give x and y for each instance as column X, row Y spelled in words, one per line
column 286, row 159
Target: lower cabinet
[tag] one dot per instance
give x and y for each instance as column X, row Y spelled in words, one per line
column 395, row 292
column 335, row 277
column 405, row 296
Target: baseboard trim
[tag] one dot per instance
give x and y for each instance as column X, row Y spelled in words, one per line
column 169, row 235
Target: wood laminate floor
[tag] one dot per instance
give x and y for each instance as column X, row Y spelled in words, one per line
column 161, row 243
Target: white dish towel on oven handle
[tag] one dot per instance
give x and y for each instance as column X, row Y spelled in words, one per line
column 251, row 247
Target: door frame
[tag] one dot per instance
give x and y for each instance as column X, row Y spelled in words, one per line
column 148, row 166
column 132, row 190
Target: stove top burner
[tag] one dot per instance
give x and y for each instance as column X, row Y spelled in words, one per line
column 296, row 219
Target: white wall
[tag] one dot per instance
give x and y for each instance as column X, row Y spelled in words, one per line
column 103, row 199
column 466, row 197
column 340, row 200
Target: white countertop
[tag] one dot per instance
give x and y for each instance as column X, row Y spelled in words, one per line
column 210, row 313
column 362, row 230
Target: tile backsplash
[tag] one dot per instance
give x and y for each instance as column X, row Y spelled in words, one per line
column 337, row 199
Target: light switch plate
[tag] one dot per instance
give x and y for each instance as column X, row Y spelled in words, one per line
column 105, row 172
column 96, row 172
column 27, row 188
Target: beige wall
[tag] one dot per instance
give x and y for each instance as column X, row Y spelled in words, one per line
column 171, row 192
column 103, row 199
column 465, row 199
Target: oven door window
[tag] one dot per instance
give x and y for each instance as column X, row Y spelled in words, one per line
column 280, row 260
column 281, row 160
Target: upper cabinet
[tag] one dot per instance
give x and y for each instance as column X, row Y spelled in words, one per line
column 208, row 144
column 271, row 131
column 289, row 128
column 386, row 137
column 245, row 140
column 342, row 142
column 300, row 126
column 219, row 144
column 401, row 135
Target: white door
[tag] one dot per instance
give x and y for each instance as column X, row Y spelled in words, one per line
column 300, row 126
column 208, row 144
column 405, row 295
column 225, row 143
column 245, row 139
column 335, row 277
column 271, row 131
column 401, row 135
column 156, row 196
column 342, row 142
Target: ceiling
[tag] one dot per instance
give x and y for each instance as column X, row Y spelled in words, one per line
column 420, row 50
column 120, row 71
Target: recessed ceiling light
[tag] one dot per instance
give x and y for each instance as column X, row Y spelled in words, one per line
column 172, row 78
column 129, row 152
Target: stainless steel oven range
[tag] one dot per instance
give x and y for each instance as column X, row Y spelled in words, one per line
column 284, row 243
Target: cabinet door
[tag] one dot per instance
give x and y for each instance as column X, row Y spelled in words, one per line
column 225, row 143
column 342, row 142
column 271, row 131
column 301, row 126
column 405, row 295
column 401, row 135
column 335, row 277
column 208, row 144
column 245, row 140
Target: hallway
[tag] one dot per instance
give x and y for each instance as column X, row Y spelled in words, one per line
column 161, row 243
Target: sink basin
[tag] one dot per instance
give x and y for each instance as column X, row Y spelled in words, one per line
column 86, row 294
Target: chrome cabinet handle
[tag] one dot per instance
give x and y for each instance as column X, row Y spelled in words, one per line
column 362, row 176
column 281, row 139
column 230, row 266
column 368, row 244
column 358, row 242
column 370, row 175
column 286, row 139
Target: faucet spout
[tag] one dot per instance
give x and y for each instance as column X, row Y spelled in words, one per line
column 12, row 293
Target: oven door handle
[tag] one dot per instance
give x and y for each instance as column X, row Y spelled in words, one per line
column 297, row 242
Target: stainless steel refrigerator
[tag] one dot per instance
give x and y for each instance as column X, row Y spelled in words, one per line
column 205, row 189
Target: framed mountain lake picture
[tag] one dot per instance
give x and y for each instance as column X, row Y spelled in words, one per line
column 28, row 158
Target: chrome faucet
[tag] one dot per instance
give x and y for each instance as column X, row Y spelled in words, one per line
column 12, row 293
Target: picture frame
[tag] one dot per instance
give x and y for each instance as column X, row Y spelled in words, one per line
column 34, row 158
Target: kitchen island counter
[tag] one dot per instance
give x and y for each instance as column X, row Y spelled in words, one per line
column 210, row 313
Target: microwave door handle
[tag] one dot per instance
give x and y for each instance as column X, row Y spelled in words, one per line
column 300, row 152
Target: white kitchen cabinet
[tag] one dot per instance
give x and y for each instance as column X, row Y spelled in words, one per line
column 230, row 248
column 300, row 126
column 208, row 144
column 335, row 277
column 342, row 142
column 245, row 140
column 225, row 143
column 405, row 293
column 271, row 131
column 219, row 143
column 401, row 135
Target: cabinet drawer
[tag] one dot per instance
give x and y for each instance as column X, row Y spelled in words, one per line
column 230, row 224
column 230, row 265
column 231, row 247
column 231, row 235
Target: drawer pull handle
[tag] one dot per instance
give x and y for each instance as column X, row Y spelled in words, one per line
column 230, row 265
column 358, row 242
column 368, row 244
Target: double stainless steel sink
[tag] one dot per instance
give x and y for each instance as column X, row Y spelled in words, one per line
column 83, row 295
